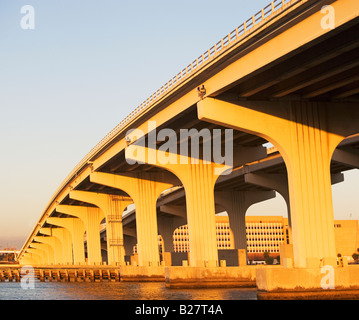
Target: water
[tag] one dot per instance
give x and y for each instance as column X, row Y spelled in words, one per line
column 117, row 291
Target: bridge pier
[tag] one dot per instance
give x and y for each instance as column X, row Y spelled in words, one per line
column 112, row 207
column 210, row 277
column 54, row 246
column 35, row 257
column 77, row 229
column 306, row 134
column 198, row 178
column 318, row 283
column 142, row 273
column 91, row 218
column 166, row 227
column 236, row 203
column 43, row 250
column 144, row 189
column 130, row 241
column 63, row 239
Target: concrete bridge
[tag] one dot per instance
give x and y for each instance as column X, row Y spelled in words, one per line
column 287, row 76
column 254, row 182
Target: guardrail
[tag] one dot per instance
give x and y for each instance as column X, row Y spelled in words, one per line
column 247, row 27
column 233, row 37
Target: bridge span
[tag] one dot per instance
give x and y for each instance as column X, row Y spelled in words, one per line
column 287, row 76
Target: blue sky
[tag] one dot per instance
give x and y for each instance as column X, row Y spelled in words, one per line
column 86, row 66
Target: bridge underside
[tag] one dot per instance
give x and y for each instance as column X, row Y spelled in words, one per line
column 325, row 69
column 304, row 102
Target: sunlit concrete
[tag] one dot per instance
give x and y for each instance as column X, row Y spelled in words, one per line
column 288, row 81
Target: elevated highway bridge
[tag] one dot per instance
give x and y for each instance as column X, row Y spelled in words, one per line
column 287, row 76
column 254, row 182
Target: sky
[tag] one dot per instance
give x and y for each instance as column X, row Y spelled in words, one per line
column 83, row 68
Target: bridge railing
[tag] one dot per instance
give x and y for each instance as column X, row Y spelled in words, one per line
column 267, row 13
column 247, row 27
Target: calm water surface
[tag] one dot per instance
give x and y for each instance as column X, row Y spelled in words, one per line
column 117, row 291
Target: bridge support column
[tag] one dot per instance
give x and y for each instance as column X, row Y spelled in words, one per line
column 167, row 225
column 112, row 207
column 144, row 191
column 199, row 181
column 236, row 203
column 54, row 247
column 31, row 258
column 279, row 183
column 77, row 230
column 198, row 178
column 42, row 250
column 306, row 134
column 92, row 218
column 129, row 242
column 63, row 242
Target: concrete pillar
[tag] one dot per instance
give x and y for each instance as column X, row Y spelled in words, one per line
column 26, row 259
column 176, row 217
column 236, row 203
column 306, row 134
column 199, row 181
column 47, row 249
column 198, row 178
column 40, row 251
column 55, row 247
column 31, row 258
column 63, row 242
column 166, row 226
column 112, row 207
column 277, row 182
column 37, row 258
column 91, row 218
column 77, row 229
column 144, row 191
column 129, row 242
